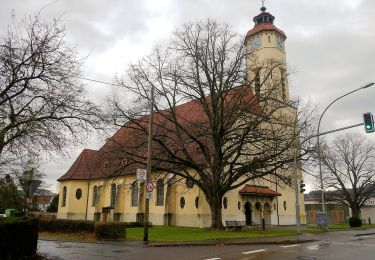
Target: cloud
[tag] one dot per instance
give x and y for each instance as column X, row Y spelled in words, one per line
column 329, row 44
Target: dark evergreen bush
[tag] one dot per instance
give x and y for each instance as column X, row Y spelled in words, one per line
column 66, row 225
column 18, row 238
column 111, row 230
column 355, row 222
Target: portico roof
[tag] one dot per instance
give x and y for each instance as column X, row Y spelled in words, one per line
column 258, row 191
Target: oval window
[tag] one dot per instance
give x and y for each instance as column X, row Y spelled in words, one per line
column 78, row 193
column 182, row 202
column 225, row 202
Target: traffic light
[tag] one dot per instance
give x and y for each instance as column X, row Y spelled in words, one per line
column 368, row 121
column 302, row 187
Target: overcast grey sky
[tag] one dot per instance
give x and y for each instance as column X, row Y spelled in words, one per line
column 330, row 45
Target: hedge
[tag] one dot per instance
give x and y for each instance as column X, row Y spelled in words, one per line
column 66, row 225
column 19, row 237
column 110, row 230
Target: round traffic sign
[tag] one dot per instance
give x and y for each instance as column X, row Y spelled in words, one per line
column 150, row 187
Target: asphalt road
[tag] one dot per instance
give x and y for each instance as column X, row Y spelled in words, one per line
column 337, row 245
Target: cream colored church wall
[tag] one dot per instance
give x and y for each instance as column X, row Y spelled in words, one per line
column 74, row 208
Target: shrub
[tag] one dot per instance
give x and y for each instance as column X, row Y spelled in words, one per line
column 355, row 222
column 19, row 238
column 136, row 224
column 66, row 225
column 110, row 230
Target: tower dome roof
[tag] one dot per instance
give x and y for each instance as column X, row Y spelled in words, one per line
column 264, row 22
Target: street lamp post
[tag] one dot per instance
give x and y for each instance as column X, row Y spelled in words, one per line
column 149, row 163
column 318, row 140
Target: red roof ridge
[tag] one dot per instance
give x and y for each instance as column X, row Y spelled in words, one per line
column 264, row 27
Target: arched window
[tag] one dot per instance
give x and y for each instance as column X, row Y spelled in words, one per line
column 225, row 202
column 94, row 195
column 196, row 202
column 182, row 202
column 135, row 194
column 63, row 204
column 113, row 194
column 160, row 193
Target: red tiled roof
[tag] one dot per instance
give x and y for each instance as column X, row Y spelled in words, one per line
column 259, row 190
column 264, row 27
column 90, row 164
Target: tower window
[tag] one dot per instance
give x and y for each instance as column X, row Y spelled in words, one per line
column 269, row 39
column 257, row 85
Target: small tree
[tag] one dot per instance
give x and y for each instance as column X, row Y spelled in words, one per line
column 9, row 195
column 54, row 204
column 209, row 127
column 349, row 168
column 43, row 106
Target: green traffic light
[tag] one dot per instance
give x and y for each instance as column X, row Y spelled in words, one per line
column 368, row 127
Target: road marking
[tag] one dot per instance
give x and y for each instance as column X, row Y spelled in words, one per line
column 291, row 246
column 215, row 258
column 253, row 252
column 313, row 247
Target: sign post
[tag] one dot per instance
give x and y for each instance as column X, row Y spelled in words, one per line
column 321, row 219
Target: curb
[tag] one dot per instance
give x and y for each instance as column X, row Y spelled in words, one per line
column 234, row 243
column 364, row 234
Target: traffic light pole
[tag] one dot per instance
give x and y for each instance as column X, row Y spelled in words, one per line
column 318, row 140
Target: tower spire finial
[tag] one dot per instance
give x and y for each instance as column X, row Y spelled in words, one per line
column 263, row 8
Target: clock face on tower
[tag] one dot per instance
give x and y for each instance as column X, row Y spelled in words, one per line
column 279, row 43
column 256, row 42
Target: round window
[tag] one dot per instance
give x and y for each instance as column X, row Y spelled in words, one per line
column 189, row 184
column 225, row 202
column 239, row 205
column 78, row 193
column 197, row 202
column 182, row 202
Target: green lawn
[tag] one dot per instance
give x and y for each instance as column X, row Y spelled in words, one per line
column 343, row 226
column 179, row 234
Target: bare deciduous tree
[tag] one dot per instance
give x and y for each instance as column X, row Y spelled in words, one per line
column 43, row 106
column 209, row 128
column 349, row 168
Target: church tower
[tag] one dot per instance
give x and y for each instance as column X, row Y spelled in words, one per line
column 266, row 59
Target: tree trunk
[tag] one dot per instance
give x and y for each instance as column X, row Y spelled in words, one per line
column 215, row 206
column 356, row 212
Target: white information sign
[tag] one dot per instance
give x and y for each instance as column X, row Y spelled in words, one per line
column 141, row 175
column 149, row 195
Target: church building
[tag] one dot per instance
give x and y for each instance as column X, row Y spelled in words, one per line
column 87, row 193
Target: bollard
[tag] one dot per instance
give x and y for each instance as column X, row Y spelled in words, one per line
column 263, row 224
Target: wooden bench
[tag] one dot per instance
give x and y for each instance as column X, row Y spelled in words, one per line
column 234, row 224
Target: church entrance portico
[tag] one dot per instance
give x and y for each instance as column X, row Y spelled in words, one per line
column 258, row 201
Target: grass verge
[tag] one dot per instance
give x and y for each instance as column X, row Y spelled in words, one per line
column 185, row 234
column 343, row 227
